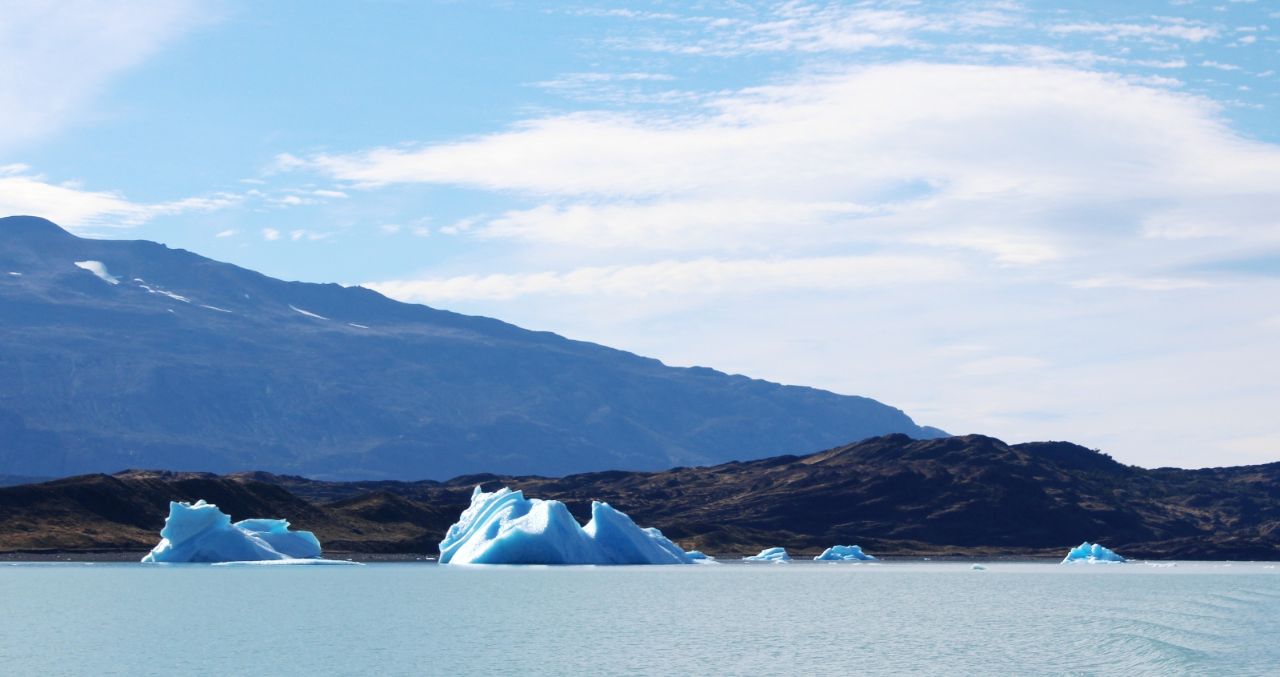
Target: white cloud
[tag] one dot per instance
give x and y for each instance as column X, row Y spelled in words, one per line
column 1141, row 283
column 270, row 234
column 1178, row 29
column 305, row 234
column 56, row 56
column 230, row 232
column 1001, row 160
column 702, row 277
column 77, row 209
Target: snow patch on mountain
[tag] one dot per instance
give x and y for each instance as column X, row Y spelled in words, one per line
column 99, row 269
column 308, row 313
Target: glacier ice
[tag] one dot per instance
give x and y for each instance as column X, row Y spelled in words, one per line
column 1091, row 553
column 200, row 532
column 844, row 553
column 699, row 555
column 504, row 527
column 770, row 555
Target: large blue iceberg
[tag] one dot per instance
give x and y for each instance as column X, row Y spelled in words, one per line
column 770, row 555
column 200, row 532
column 1092, row 553
column 504, row 527
column 844, row 553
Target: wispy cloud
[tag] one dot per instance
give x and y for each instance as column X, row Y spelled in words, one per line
column 701, row 276
column 55, row 57
column 995, row 159
column 78, row 208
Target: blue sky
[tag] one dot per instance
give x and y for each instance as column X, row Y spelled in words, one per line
column 1032, row 220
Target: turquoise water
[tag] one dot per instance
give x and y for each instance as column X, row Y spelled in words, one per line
column 415, row 619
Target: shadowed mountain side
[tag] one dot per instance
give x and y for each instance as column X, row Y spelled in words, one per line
column 124, row 354
column 893, row 495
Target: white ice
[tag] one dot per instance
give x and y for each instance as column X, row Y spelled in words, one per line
column 308, row 313
column 156, row 290
column 504, row 527
column 100, row 270
column 200, row 532
column 844, row 553
column 1092, row 553
column 770, row 555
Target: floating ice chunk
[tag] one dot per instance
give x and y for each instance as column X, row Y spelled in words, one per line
column 296, row 544
column 504, row 527
column 99, row 269
column 978, row 567
column 770, row 555
column 1091, row 553
column 200, row 532
column 844, row 553
column 698, row 555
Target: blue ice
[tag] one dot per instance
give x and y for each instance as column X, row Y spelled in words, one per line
column 844, row 553
column 504, row 527
column 770, row 555
column 200, row 532
column 1092, row 553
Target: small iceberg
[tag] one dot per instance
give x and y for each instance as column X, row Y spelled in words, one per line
column 770, row 555
column 698, row 555
column 200, row 532
column 1092, row 553
column 978, row 567
column 504, row 527
column 844, row 553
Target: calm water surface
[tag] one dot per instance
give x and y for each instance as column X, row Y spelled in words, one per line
column 402, row 619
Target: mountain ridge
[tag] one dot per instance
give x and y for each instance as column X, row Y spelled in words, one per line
column 958, row 496
column 129, row 353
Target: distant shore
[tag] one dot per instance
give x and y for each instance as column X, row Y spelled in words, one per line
column 136, row 555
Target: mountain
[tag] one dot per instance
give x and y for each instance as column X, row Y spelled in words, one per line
column 123, row 354
column 893, row 495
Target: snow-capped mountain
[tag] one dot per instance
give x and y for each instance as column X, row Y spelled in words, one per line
column 117, row 354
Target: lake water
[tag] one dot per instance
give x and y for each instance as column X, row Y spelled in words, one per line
column 734, row 618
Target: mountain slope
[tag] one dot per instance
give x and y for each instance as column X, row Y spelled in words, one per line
column 129, row 354
column 893, row 495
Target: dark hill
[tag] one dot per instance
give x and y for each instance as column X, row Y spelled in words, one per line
column 897, row 496
column 171, row 360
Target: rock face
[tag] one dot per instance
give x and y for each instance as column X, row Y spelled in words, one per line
column 127, row 354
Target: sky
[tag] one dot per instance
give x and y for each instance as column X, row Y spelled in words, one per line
column 1033, row 220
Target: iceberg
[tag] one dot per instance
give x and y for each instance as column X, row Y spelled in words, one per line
column 1092, row 553
column 504, row 527
column 200, row 532
column 770, row 555
column 699, row 555
column 844, row 553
